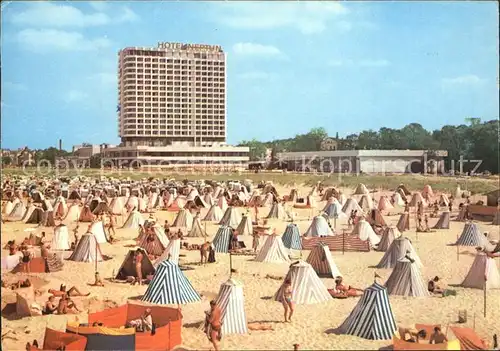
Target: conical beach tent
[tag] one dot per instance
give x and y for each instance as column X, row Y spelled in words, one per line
column 406, row 280
column 277, row 211
column 73, row 214
column 372, row 317
column 134, row 220
column 415, row 199
column 376, row 218
column 155, row 242
column 351, row 205
column 471, row 236
column 127, row 268
column 231, row 217
column 321, row 261
column 404, row 222
column 214, row 214
column 196, row 229
column 97, row 228
column 334, row 209
column 273, row 250
column 388, row 236
column 60, row 241
column 319, row 227
column 399, row 248
column 483, row 270
column 397, row 200
column 184, row 219
column 361, row 189
column 384, row 204
column 366, row 202
column 307, row 287
column 86, row 215
column 291, row 237
column 443, row 222
column 231, row 302
column 245, row 227
column 222, row 239
column 87, row 250
column 365, row 232
column 170, row 286
column 17, row 212
column 171, row 253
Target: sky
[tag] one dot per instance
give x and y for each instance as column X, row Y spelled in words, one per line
column 291, row 66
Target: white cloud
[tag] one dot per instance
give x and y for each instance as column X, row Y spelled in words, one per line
column 468, row 79
column 252, row 49
column 74, row 96
column 307, row 17
column 13, row 86
column 55, row 15
column 255, row 75
column 358, row 63
column 47, row 40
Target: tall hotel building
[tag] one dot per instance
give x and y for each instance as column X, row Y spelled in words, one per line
column 172, row 108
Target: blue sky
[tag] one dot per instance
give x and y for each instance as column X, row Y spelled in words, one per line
column 345, row 66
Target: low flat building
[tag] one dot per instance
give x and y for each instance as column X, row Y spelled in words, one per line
column 364, row 161
column 177, row 156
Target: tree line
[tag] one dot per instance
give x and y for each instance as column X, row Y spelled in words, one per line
column 473, row 140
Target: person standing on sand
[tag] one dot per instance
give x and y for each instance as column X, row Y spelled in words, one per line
column 213, row 324
column 256, row 241
column 138, row 257
column 286, row 300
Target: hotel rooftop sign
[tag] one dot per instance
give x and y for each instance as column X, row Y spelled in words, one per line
column 193, row 47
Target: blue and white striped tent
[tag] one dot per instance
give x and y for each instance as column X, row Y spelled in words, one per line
column 471, row 236
column 232, row 305
column 291, row 237
column 334, row 209
column 170, row 286
column 372, row 317
column 222, row 239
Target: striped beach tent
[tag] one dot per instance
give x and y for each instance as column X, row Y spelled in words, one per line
column 222, row 239
column 334, row 209
column 222, row 202
column 184, row 219
column 415, row 199
column 366, row 202
column 361, row 189
column 231, row 302
column 231, row 217
column 307, row 287
column 319, row 227
column 245, row 227
column 170, row 286
column 277, row 211
column 291, row 237
column 214, row 214
column 443, row 222
column 406, row 280
column 384, row 204
column 483, row 270
column 87, row 250
column 388, row 236
column 472, row 236
column 17, row 212
column 155, row 242
column 273, row 250
column 321, row 261
column 372, row 317
column 171, row 253
column 399, row 248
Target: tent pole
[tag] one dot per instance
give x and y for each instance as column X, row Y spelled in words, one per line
column 230, row 265
column 484, row 297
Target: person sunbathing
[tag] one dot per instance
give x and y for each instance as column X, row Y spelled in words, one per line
column 144, row 323
column 345, row 291
column 436, row 289
column 62, row 291
column 12, row 247
column 66, row 305
column 438, row 337
column 21, row 284
column 50, row 306
column 414, row 335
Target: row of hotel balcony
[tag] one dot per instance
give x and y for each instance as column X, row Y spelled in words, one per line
column 168, row 132
column 197, row 61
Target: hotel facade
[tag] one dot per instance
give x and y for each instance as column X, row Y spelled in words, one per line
column 172, row 109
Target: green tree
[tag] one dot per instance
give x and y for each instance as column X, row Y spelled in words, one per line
column 6, row 160
column 257, row 149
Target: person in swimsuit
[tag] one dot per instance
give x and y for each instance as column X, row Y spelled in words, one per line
column 347, row 291
column 213, row 324
column 438, row 337
column 286, row 300
column 98, row 281
column 138, row 257
column 111, row 226
column 26, row 259
column 62, row 291
column 66, row 305
column 50, row 306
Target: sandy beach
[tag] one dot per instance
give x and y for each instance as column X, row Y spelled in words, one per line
column 312, row 324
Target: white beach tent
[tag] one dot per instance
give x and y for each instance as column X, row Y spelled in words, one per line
column 97, row 228
column 60, row 241
column 245, row 227
column 399, row 248
column 134, row 220
column 307, row 287
column 231, row 217
column 87, row 250
column 388, row 236
column 273, row 250
column 319, row 227
column 214, row 214
column 365, row 232
column 184, row 219
column 483, row 270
